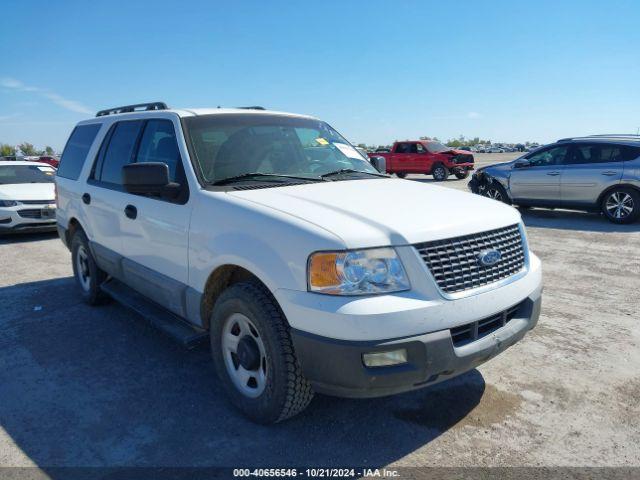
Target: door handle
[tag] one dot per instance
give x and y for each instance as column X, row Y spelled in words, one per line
column 609, row 173
column 131, row 212
column 86, row 198
column 553, row 174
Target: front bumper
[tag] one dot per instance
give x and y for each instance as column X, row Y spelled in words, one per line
column 335, row 367
column 27, row 218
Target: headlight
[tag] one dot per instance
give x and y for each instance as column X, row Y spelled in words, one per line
column 8, row 203
column 357, row 272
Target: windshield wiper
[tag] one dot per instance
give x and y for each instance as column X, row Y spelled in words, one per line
column 351, row 170
column 246, row 176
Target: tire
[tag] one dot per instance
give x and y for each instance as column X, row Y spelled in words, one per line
column 621, row 205
column 85, row 270
column 497, row 192
column 254, row 356
column 439, row 172
column 401, row 174
column 461, row 174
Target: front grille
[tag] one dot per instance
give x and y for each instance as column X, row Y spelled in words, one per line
column 30, row 213
column 463, row 158
column 476, row 330
column 37, row 202
column 454, row 262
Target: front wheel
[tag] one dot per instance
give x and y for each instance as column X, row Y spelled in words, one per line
column 461, row 174
column 621, row 205
column 254, row 356
column 497, row 192
column 440, row 173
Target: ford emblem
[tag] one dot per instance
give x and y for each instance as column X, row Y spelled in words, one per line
column 489, row 257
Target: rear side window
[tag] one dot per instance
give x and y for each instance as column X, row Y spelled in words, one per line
column 601, row 153
column 119, row 152
column 75, row 152
column 158, row 144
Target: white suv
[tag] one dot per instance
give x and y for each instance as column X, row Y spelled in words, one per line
column 308, row 269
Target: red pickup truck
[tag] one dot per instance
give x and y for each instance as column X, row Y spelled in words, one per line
column 428, row 157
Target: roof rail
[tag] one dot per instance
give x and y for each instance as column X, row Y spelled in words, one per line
column 606, row 135
column 133, row 108
column 254, row 107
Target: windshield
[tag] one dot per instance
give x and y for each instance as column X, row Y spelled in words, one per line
column 10, row 174
column 229, row 145
column 435, row 147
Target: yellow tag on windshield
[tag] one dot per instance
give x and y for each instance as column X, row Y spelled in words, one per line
column 322, row 141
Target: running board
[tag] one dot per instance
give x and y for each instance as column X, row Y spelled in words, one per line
column 184, row 333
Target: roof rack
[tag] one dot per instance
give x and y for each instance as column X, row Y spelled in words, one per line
column 254, row 107
column 133, row 108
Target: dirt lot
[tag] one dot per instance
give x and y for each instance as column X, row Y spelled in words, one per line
column 97, row 386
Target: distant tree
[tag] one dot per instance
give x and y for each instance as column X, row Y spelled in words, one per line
column 27, row 149
column 7, row 150
column 49, row 150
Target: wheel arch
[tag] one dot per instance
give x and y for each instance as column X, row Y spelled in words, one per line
column 608, row 190
column 219, row 280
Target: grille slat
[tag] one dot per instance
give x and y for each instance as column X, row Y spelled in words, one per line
column 37, row 202
column 454, row 262
column 473, row 331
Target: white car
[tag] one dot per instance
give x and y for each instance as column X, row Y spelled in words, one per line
column 307, row 269
column 27, row 198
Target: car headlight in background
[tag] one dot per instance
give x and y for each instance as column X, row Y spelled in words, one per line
column 8, row 203
column 357, row 272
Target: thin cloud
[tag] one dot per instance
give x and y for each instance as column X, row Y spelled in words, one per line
column 67, row 104
column 473, row 115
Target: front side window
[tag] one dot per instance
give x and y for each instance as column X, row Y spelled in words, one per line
column 158, row 144
column 226, row 146
column 75, row 152
column 119, row 152
column 14, row 174
column 420, row 148
column 548, row 157
column 435, row 147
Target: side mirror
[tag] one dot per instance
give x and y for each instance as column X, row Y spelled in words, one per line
column 379, row 163
column 150, row 178
column 522, row 164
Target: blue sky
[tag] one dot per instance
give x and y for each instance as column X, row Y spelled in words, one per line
column 376, row 70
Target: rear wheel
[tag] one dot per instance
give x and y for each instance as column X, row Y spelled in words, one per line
column 254, row 356
column 85, row 270
column 401, row 174
column 621, row 205
column 439, row 172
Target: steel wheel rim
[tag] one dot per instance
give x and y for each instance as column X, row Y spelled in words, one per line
column 250, row 382
column 438, row 173
column 619, row 205
column 82, row 266
column 494, row 194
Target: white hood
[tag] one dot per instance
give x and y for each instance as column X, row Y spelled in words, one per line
column 27, row 191
column 376, row 212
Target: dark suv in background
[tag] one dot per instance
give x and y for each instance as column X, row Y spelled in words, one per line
column 594, row 173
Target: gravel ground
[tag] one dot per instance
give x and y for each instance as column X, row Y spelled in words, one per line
column 83, row 386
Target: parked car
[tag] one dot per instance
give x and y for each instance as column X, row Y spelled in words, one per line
column 595, row 173
column 26, row 197
column 494, row 149
column 382, row 150
column 266, row 233
column 49, row 160
column 427, row 157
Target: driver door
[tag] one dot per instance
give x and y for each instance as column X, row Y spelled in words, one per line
column 538, row 179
